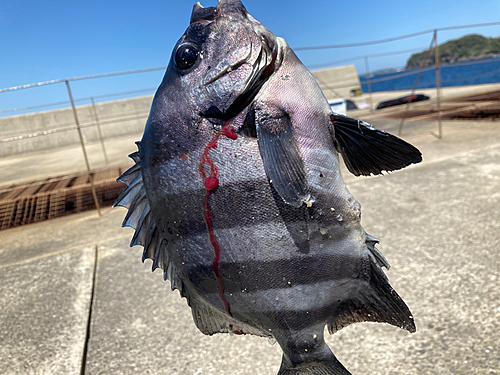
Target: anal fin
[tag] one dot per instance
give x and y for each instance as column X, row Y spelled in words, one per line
column 211, row 321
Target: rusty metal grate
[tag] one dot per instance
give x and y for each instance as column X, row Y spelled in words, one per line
column 44, row 200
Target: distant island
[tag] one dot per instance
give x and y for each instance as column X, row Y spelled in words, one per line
column 469, row 47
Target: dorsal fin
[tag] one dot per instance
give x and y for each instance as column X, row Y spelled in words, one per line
column 140, row 218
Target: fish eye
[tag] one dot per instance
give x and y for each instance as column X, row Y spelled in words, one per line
column 186, row 55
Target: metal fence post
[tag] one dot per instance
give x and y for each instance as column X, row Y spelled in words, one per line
column 99, row 130
column 422, row 65
column 91, row 177
column 368, row 82
column 438, row 83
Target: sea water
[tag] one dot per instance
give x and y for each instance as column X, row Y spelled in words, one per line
column 474, row 72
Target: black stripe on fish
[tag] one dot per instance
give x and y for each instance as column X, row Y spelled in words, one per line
column 276, row 274
column 370, row 299
column 227, row 211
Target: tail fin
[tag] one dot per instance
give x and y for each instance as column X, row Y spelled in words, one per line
column 329, row 367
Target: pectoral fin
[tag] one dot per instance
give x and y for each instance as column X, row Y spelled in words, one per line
column 367, row 150
column 281, row 157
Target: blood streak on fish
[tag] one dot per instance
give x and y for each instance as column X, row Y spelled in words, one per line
column 211, row 182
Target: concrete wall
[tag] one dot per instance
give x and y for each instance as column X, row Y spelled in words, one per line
column 338, row 81
column 42, row 131
column 52, row 129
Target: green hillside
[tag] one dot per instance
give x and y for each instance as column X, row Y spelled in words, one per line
column 468, row 47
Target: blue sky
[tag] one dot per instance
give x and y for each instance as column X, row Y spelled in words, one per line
column 44, row 40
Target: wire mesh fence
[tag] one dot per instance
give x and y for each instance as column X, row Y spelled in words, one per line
column 62, row 156
column 65, row 160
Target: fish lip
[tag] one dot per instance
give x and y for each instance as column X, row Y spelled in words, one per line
column 218, row 13
column 230, row 68
column 268, row 61
column 260, row 74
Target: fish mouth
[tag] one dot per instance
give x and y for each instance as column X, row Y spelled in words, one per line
column 266, row 64
column 229, row 69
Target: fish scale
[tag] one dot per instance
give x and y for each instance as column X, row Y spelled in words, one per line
column 236, row 193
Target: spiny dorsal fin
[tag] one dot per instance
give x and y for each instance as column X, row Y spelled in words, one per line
column 367, row 150
column 140, row 218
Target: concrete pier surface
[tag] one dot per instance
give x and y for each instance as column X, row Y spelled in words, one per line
column 75, row 299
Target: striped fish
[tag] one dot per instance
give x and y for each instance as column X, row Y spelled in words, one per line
column 237, row 195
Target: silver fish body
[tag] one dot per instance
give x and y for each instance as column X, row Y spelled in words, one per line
column 237, row 193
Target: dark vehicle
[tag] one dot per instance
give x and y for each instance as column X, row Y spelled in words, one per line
column 402, row 100
column 350, row 105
